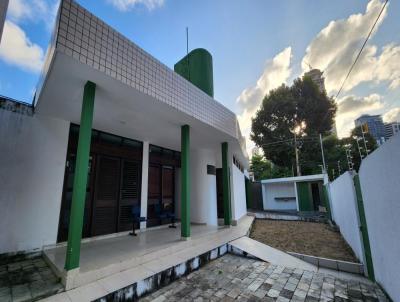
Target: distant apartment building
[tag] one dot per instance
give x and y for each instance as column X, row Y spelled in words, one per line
column 3, row 12
column 375, row 126
column 391, row 129
column 319, row 80
column 316, row 76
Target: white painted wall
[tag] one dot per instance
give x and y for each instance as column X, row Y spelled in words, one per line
column 203, row 190
column 145, row 183
column 273, row 190
column 380, row 185
column 345, row 211
column 32, row 164
column 238, row 193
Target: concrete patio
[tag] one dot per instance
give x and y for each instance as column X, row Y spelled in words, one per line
column 113, row 263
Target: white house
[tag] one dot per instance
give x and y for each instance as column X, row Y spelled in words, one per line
column 113, row 132
column 300, row 193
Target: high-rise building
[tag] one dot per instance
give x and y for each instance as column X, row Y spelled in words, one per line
column 391, row 129
column 3, row 12
column 375, row 126
column 316, row 76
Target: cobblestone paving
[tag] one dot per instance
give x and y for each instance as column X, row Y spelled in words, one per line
column 27, row 279
column 237, row 278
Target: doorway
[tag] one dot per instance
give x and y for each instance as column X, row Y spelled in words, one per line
column 113, row 186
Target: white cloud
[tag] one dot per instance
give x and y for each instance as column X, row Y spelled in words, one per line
column 393, row 115
column 351, row 107
column 17, row 49
column 276, row 72
column 33, row 11
column 125, row 5
column 335, row 47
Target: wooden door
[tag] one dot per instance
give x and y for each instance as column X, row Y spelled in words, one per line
column 129, row 196
column 154, row 195
column 105, row 202
column 168, row 188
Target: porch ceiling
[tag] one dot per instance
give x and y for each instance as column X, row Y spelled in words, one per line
column 121, row 109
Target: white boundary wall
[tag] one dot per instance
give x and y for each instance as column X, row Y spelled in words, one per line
column 345, row 211
column 380, row 185
column 238, row 193
column 32, row 164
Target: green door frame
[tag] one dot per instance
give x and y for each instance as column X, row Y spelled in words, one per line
column 364, row 228
column 80, row 178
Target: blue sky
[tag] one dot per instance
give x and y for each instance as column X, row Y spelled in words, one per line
column 256, row 46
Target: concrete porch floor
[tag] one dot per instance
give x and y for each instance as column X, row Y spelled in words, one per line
column 146, row 253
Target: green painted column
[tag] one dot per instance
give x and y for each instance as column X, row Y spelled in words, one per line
column 185, row 181
column 226, row 185
column 80, row 178
column 364, row 228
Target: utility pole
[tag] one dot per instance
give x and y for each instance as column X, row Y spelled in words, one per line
column 322, row 152
column 338, row 166
column 297, row 155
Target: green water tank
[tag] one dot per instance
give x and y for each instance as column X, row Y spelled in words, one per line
column 197, row 68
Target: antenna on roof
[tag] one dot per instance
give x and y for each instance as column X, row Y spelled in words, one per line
column 187, row 52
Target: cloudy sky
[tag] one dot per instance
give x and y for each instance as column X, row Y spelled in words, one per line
column 256, row 46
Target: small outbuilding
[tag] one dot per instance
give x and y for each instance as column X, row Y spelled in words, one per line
column 300, row 193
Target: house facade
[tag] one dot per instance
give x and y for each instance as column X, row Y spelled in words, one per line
column 113, row 134
column 294, row 194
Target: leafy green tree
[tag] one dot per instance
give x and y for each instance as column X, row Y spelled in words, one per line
column 264, row 169
column 302, row 109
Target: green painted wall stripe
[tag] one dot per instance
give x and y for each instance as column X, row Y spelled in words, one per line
column 364, row 228
column 80, row 178
column 185, row 181
column 226, row 185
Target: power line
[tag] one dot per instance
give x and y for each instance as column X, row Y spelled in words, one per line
column 362, row 48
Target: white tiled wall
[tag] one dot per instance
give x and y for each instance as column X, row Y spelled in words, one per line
column 88, row 39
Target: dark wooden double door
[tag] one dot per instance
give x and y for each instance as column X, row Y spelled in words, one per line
column 161, row 194
column 113, row 189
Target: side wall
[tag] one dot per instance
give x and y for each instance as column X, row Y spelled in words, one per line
column 32, row 161
column 345, row 211
column 380, row 185
column 272, row 190
column 238, row 197
column 203, row 188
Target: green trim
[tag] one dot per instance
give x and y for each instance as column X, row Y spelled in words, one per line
column 185, row 181
column 80, row 179
column 226, row 185
column 364, row 228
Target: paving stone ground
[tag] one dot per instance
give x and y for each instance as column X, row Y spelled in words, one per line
column 237, row 278
column 27, row 279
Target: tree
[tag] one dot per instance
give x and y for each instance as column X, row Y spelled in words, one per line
column 335, row 151
column 302, row 109
column 264, row 169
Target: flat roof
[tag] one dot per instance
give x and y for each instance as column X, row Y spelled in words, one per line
column 314, row 177
column 136, row 95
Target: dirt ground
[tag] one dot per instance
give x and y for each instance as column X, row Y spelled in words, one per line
column 316, row 239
